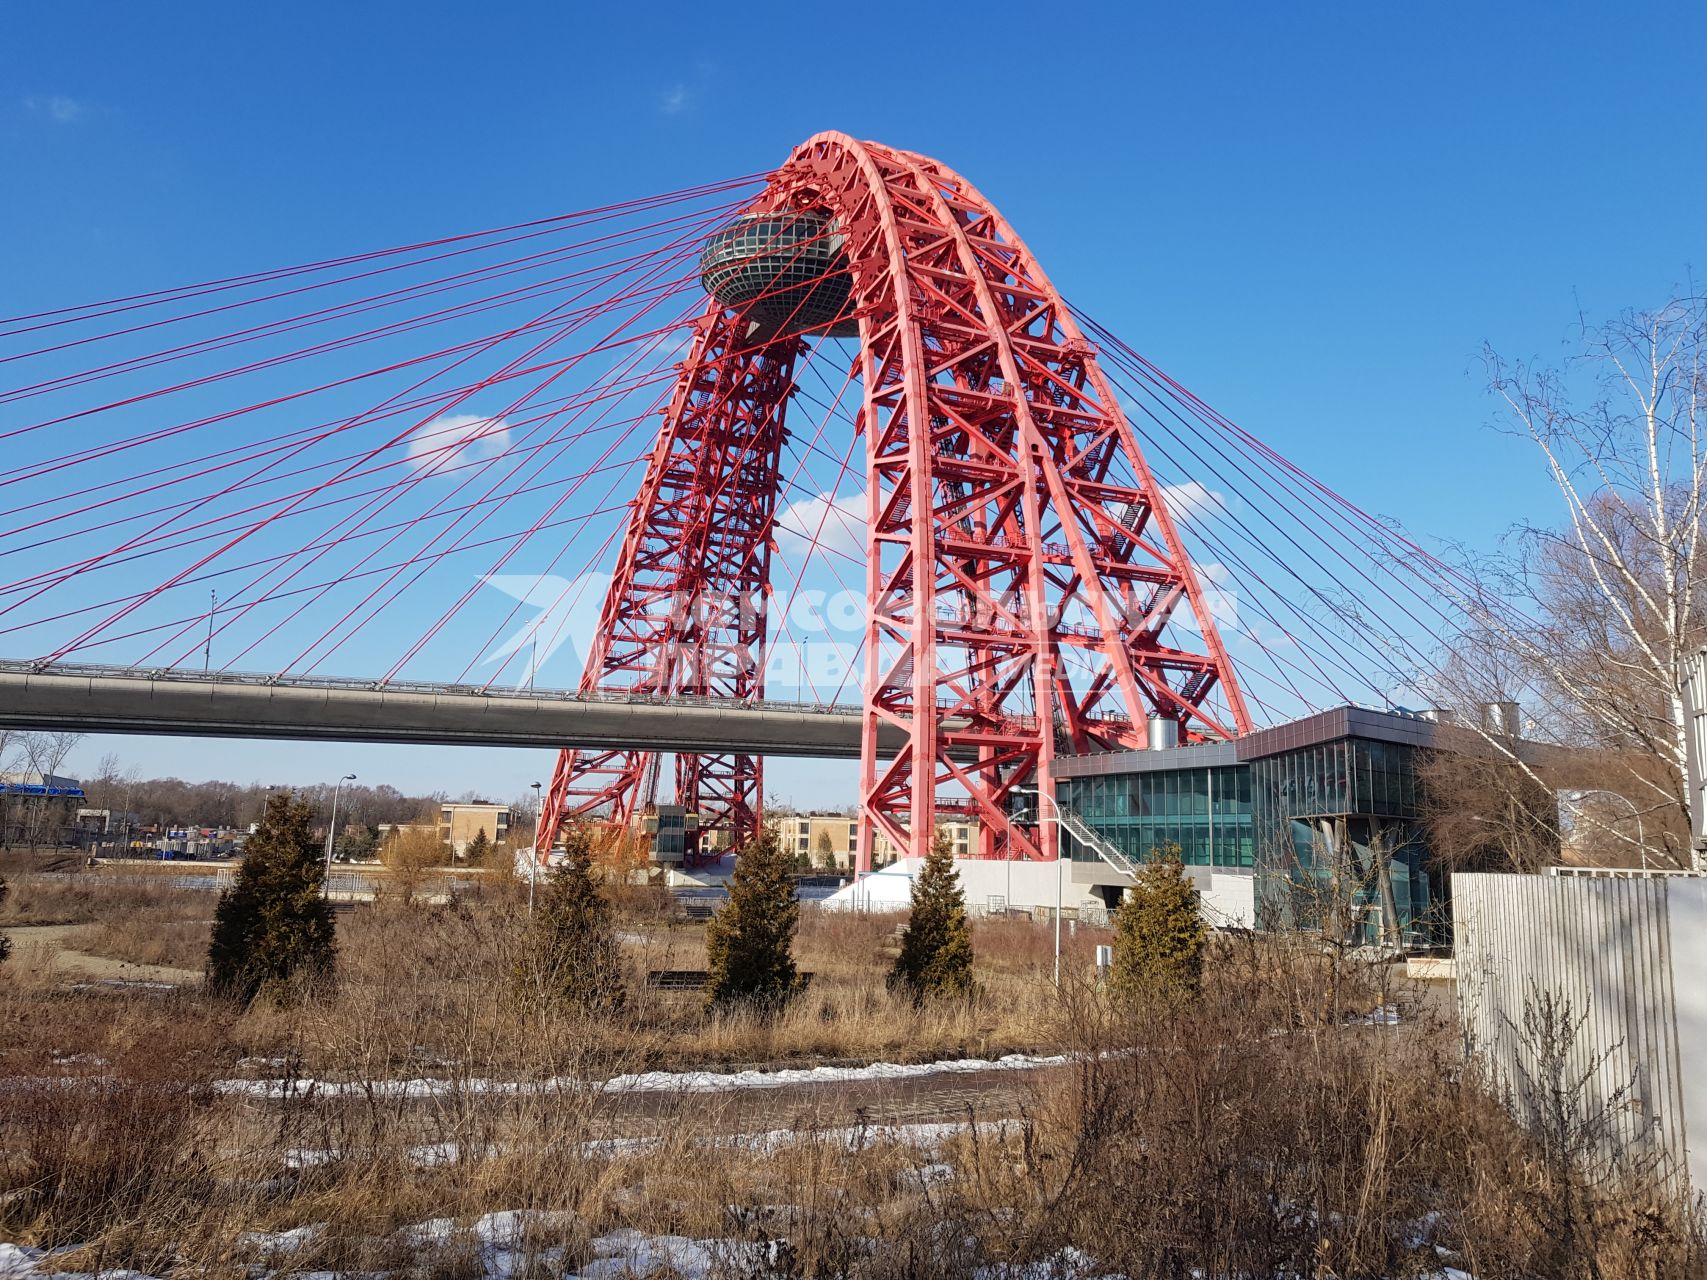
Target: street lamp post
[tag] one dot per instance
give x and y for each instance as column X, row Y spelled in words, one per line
column 1008, row 851
column 332, row 833
column 533, row 858
column 1056, row 819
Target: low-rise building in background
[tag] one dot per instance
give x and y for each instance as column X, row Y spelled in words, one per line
column 461, row 822
column 39, row 810
column 830, row 841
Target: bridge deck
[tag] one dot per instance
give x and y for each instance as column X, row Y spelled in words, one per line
column 89, row 699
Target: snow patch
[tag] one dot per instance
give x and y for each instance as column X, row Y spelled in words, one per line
column 17, row 1260
column 737, row 1081
column 851, row 1138
column 513, row 1242
column 1067, row 1264
column 642, row 1082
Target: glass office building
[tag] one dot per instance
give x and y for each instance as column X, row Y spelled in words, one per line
column 1195, row 798
column 1337, row 814
column 1324, row 814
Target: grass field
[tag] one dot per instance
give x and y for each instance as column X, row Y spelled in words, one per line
column 1264, row 1131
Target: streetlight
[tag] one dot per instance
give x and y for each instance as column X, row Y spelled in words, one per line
column 1042, row 817
column 1635, row 812
column 533, row 857
column 332, row 832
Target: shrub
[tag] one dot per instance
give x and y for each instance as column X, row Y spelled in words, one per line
column 573, row 959
column 1159, row 936
column 96, row 1146
column 476, row 851
column 273, row 927
column 5, row 942
column 936, row 948
column 749, row 944
column 414, row 848
column 412, row 854
column 826, row 852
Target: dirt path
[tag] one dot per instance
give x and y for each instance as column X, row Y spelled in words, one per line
column 65, row 959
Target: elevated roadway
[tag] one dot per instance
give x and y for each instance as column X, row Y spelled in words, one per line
column 89, row 699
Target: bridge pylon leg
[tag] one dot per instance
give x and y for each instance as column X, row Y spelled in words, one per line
column 684, row 615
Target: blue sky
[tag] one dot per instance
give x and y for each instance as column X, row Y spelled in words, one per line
column 1314, row 215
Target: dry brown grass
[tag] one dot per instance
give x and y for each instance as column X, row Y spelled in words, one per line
column 429, row 984
column 139, row 919
column 177, row 944
column 1259, row 1133
column 98, row 896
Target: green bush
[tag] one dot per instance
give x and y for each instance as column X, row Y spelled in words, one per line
column 936, row 948
column 749, row 943
column 573, row 960
column 272, row 930
column 1159, row 935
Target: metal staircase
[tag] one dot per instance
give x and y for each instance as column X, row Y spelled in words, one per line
column 1086, row 835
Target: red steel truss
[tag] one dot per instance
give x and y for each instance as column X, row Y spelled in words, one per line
column 1022, row 566
column 684, row 611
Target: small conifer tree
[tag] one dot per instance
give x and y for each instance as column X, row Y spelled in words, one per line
column 573, row 960
column 1159, row 936
column 749, row 943
column 936, row 948
column 476, row 850
column 5, row 942
column 273, row 927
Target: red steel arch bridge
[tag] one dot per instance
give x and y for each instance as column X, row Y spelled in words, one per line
column 645, row 447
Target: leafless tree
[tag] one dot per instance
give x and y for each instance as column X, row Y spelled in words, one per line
column 46, row 753
column 113, row 786
column 12, row 755
column 1585, row 620
column 1486, row 811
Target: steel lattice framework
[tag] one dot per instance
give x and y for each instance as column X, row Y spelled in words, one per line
column 1013, row 524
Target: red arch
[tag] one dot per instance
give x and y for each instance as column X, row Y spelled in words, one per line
column 1039, row 503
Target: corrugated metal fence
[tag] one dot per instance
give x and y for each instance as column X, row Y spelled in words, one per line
column 1611, row 957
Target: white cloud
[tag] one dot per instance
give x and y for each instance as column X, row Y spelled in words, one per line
column 57, row 107
column 1195, row 501
column 843, row 521
column 675, row 100
column 455, row 440
column 1270, row 638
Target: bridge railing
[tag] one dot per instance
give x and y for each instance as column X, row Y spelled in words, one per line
column 177, row 675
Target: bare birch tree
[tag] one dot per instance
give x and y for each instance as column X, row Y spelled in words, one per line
column 47, row 752
column 1590, row 617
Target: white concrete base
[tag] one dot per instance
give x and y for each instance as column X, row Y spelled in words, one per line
column 1227, row 898
column 991, row 887
column 1430, row 968
column 1230, row 901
